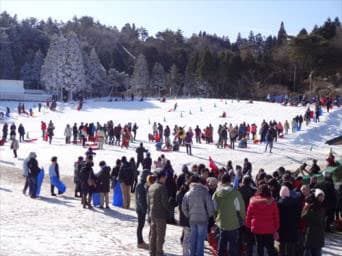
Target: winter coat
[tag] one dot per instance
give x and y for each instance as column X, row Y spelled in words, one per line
column 313, row 217
column 21, row 130
column 147, row 163
column 33, row 168
column 25, row 167
column 183, row 220
column 289, row 215
column 140, row 152
column 197, row 204
column 230, row 208
column 126, row 174
column 103, row 180
column 15, row 145
column 328, row 188
column 141, row 198
column 262, row 215
column 50, row 130
column 77, row 170
column 188, row 138
column 67, row 132
column 247, row 193
column 54, row 170
column 157, row 201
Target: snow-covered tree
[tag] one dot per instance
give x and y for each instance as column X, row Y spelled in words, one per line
column 63, row 66
column 6, row 58
column 119, row 81
column 139, row 82
column 158, row 79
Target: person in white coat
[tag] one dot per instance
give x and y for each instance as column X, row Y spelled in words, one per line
column 67, row 134
column 15, row 147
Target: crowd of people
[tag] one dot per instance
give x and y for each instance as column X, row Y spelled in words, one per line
column 226, row 206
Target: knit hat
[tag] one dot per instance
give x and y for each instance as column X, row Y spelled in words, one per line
column 319, row 192
column 284, row 192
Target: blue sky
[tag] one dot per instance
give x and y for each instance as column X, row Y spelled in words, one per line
column 225, row 17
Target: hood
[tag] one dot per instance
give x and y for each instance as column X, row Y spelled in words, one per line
column 32, row 155
column 224, row 191
column 198, row 187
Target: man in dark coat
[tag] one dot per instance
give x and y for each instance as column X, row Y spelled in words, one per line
column 103, row 181
column 126, row 179
column 140, row 154
column 247, row 167
column 33, row 171
column 87, row 178
column 21, row 131
column 147, row 162
column 141, row 208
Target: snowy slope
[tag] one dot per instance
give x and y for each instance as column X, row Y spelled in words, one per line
column 288, row 152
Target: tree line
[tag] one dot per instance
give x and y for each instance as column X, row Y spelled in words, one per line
column 83, row 55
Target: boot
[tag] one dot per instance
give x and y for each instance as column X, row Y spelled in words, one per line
column 143, row 245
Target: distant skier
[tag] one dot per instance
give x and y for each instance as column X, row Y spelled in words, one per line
column 175, row 106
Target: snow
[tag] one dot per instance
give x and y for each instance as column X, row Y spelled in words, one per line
column 288, row 152
column 60, row 226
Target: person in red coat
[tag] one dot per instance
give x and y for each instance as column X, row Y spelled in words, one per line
column 263, row 220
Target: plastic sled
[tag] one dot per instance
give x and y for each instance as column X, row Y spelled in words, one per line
column 117, row 196
column 30, row 140
column 166, row 149
column 40, row 179
column 58, row 184
column 96, row 199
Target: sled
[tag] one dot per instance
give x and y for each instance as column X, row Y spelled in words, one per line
column 58, row 184
column 40, row 179
column 2, row 142
column 256, row 141
column 170, row 110
column 30, row 140
column 96, row 199
column 117, row 196
column 94, row 147
column 166, row 149
column 91, row 145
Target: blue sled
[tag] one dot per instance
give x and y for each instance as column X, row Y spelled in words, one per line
column 40, row 179
column 58, row 184
column 117, row 196
column 96, row 199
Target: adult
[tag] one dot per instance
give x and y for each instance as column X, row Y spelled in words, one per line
column 158, row 208
column 87, row 178
column 141, row 208
column 198, row 207
column 230, row 215
column 147, row 162
column 50, row 131
column 15, row 147
column 67, row 134
column 188, row 142
column 103, row 181
column 126, row 179
column 263, row 220
column 140, row 154
column 33, row 171
column 21, row 131
column 53, row 172
column 78, row 165
column 313, row 216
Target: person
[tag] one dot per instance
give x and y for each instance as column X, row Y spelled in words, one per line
column 4, row 132
column 74, row 133
column 33, row 171
column 270, row 135
column 126, row 179
column 313, row 216
column 289, row 215
column 135, row 129
column 140, row 154
column 53, row 172
column 21, row 131
column 315, row 169
column 100, row 137
column 233, row 134
column 15, row 147
column 230, row 214
column 90, row 152
column 26, row 171
column 43, row 129
column 158, row 210
column 50, row 130
column 78, row 165
column 147, row 162
column 183, row 220
column 247, row 192
column 198, row 207
column 87, row 178
column 141, row 208
column 286, row 127
column 103, row 183
column 330, row 202
column 67, row 134
column 263, row 220
column 331, row 160
column 188, row 142
column 115, row 172
column 39, row 106
column 247, row 167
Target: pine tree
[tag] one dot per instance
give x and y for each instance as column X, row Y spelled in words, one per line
column 175, row 80
column 30, row 71
column 282, row 36
column 139, row 82
column 6, row 59
column 158, row 80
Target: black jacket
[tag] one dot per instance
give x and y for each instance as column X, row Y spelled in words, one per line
column 126, row 174
column 147, row 163
column 141, row 198
column 289, row 217
column 103, row 180
column 140, row 152
column 32, row 165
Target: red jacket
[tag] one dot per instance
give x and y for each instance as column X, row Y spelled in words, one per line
column 262, row 215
